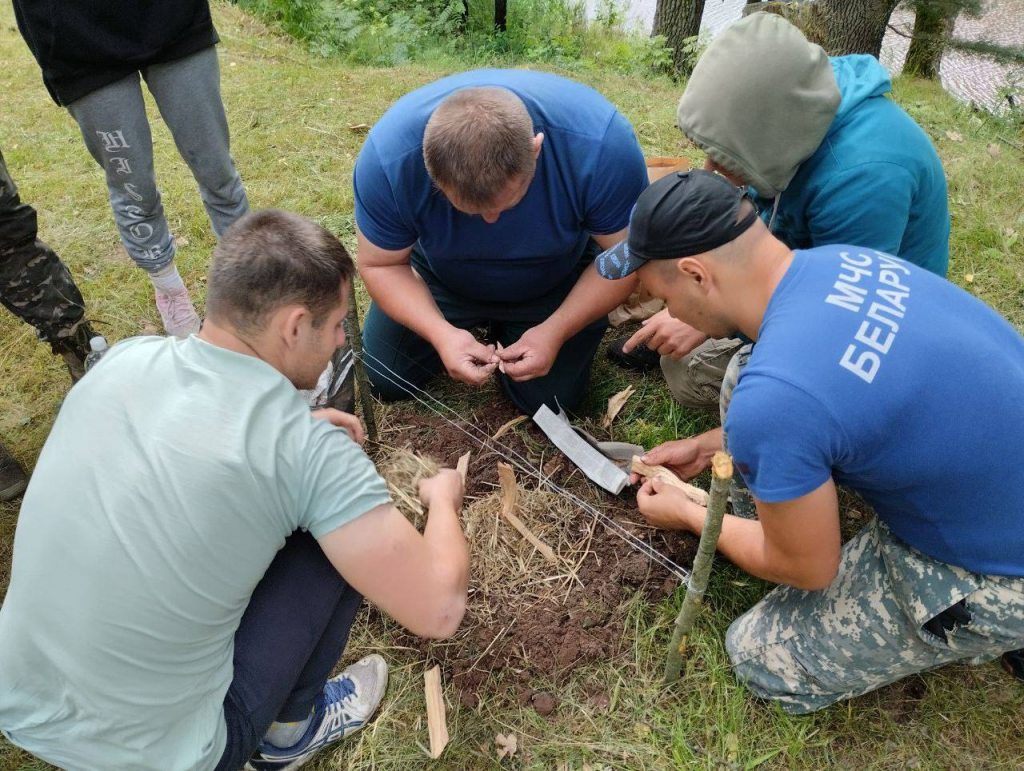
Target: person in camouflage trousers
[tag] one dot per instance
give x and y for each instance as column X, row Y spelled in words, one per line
column 37, row 288
column 861, row 370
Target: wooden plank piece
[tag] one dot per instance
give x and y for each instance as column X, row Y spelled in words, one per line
column 437, row 726
column 509, row 500
column 647, row 471
column 463, row 466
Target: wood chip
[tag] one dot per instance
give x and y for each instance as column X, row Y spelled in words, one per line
column 615, row 404
column 436, row 723
column 509, row 500
column 994, row 151
column 507, row 745
column 359, row 128
column 954, row 136
column 509, row 426
column 647, row 471
column 463, row 466
column 501, row 364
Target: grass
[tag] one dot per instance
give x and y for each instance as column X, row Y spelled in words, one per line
column 289, row 114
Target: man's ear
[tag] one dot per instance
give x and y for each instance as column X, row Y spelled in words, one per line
column 694, row 271
column 537, row 142
column 293, row 319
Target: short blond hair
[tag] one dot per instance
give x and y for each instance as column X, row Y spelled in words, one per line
column 477, row 141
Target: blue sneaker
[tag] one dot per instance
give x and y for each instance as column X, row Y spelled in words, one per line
column 347, row 703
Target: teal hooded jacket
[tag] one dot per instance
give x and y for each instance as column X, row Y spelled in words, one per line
column 847, row 164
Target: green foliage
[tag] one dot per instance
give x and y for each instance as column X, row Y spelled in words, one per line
column 388, row 32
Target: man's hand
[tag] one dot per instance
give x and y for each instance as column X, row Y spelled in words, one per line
column 685, row 457
column 444, row 487
column 668, row 507
column 343, row 420
column 667, row 335
column 532, row 355
column 466, row 358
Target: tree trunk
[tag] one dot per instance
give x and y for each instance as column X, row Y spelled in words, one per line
column 678, row 20
column 856, row 26
column 839, row 26
column 501, row 15
column 932, row 29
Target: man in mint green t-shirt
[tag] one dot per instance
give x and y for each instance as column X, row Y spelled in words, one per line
column 194, row 544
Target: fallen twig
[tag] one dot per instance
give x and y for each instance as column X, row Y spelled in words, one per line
column 509, row 498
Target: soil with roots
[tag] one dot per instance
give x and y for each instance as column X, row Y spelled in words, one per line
column 536, row 619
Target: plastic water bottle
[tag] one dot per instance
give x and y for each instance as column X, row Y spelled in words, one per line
column 97, row 349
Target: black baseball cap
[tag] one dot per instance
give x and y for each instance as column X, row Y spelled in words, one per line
column 682, row 214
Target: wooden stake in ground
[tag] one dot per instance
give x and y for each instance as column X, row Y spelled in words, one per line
column 463, row 467
column 436, row 723
column 647, row 471
column 721, row 476
column 509, row 499
column 355, row 341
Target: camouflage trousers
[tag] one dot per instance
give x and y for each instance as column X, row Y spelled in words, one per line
column 34, row 284
column 891, row 611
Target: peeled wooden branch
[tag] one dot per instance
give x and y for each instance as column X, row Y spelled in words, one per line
column 437, row 726
column 647, row 471
column 463, row 467
column 721, row 477
column 509, row 499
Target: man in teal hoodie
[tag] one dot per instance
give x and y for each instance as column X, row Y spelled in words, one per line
column 831, row 159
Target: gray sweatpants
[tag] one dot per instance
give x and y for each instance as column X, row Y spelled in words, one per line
column 116, row 131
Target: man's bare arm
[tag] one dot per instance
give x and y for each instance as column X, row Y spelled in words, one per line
column 401, row 294
column 419, row 580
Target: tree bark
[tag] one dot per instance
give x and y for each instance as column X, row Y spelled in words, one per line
column 501, row 15
column 678, row 20
column 933, row 27
column 839, row 26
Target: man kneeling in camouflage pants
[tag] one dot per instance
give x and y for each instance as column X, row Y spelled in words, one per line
column 869, row 372
column 37, row 288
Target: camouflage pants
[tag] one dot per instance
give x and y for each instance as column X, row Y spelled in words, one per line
column 34, row 284
column 891, row 611
column 696, row 379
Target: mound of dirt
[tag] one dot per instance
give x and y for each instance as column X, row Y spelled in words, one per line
column 535, row 619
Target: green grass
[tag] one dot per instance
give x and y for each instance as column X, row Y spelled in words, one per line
column 289, row 114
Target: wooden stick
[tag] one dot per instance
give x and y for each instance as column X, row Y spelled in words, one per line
column 501, row 363
column 436, row 723
column 463, row 466
column 355, row 341
column 509, row 499
column 647, row 471
column 721, row 478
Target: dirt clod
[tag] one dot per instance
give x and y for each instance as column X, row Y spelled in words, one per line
column 544, row 702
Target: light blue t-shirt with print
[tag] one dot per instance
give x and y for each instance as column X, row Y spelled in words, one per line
column 173, row 474
column 898, row 384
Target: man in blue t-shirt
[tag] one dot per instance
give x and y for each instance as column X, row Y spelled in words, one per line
column 478, row 200
column 869, row 372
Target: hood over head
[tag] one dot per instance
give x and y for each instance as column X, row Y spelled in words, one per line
column 760, row 101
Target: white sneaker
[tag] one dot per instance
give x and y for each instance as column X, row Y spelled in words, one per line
column 179, row 317
column 346, row 704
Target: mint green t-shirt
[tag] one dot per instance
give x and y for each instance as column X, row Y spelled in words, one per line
column 173, row 474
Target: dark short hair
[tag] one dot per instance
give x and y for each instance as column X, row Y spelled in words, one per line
column 272, row 258
column 477, row 141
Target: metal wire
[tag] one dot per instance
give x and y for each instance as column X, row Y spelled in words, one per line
column 487, row 442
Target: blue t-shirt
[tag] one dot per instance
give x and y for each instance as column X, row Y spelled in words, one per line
column 589, row 174
column 901, row 386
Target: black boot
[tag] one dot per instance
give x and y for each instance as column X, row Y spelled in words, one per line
column 640, row 358
column 1013, row 662
column 73, row 348
column 13, row 479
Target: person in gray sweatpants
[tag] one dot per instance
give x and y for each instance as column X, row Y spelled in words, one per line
column 93, row 67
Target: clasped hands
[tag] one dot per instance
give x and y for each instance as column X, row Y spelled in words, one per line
column 468, row 360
